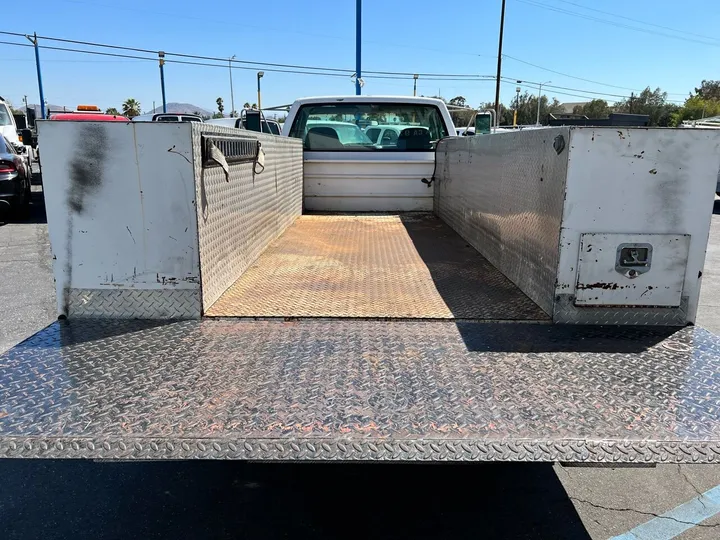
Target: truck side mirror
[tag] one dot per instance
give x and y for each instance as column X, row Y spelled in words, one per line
column 27, row 137
column 252, row 120
column 483, row 123
column 31, row 117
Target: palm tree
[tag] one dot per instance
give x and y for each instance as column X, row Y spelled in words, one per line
column 246, row 106
column 112, row 110
column 131, row 107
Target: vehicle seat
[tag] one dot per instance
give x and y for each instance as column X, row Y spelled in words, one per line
column 414, row 139
column 322, row 138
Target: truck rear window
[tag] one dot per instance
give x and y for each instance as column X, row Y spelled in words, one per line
column 356, row 127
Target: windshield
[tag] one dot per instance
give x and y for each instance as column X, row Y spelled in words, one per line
column 352, row 127
column 5, row 119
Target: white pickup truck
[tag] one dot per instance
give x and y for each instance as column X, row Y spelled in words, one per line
column 227, row 294
column 347, row 168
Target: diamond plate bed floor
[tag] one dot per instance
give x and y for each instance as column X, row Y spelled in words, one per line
column 385, row 266
column 361, row 390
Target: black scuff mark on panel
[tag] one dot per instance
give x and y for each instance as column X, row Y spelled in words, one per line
column 86, row 166
column 599, row 285
column 85, row 172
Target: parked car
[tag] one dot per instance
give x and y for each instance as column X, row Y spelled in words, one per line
column 387, row 136
column 268, row 126
column 15, row 175
column 167, row 117
column 9, row 130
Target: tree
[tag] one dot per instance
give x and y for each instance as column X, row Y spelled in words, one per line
column 460, row 118
column 131, row 108
column 246, row 105
column 597, row 108
column 113, row 111
column 220, row 106
column 651, row 102
column 218, row 115
column 708, row 90
column 696, row 108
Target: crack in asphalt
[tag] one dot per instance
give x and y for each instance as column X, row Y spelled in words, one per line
column 701, row 497
column 641, row 512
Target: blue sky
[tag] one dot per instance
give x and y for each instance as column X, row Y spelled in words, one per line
column 398, row 35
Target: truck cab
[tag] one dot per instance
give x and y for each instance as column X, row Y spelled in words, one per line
column 368, row 153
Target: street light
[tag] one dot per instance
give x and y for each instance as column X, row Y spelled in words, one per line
column 259, row 76
column 539, row 94
column 232, row 95
column 517, row 103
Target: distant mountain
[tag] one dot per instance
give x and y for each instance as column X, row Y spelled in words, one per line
column 184, row 108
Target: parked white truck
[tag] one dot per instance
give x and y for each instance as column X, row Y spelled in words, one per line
column 227, row 294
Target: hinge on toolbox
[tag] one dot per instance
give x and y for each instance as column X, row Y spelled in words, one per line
column 235, row 150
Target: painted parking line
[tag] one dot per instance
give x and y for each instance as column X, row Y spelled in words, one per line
column 678, row 520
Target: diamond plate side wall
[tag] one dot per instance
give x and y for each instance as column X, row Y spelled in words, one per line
column 135, row 304
column 238, row 217
column 504, row 194
column 566, row 312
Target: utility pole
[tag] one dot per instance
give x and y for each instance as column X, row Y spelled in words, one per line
column 34, row 41
column 358, row 47
column 632, row 98
column 537, row 122
column 415, row 78
column 161, row 58
column 499, row 64
column 232, row 95
column 517, row 104
column 259, row 76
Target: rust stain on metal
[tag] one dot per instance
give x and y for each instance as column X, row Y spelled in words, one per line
column 386, row 266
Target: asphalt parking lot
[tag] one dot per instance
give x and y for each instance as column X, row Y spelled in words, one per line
column 199, row 500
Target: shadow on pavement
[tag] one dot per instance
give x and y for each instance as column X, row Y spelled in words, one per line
column 203, row 500
column 716, row 208
column 35, row 215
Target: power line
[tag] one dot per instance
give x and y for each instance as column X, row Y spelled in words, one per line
column 613, row 23
column 291, row 31
column 247, row 62
column 399, row 76
column 637, row 20
column 580, row 78
column 594, row 94
column 567, row 75
column 302, row 70
column 135, row 57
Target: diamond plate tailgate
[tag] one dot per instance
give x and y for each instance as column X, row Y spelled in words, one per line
column 361, row 390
